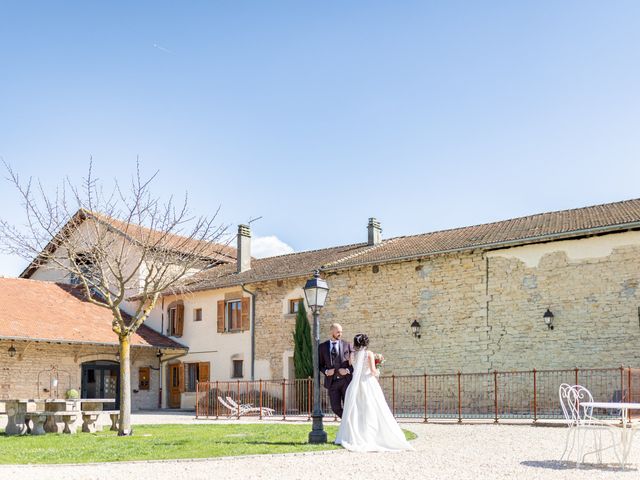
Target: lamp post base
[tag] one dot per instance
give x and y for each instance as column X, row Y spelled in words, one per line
column 317, row 436
column 317, row 433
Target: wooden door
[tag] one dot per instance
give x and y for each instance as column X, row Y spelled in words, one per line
column 175, row 385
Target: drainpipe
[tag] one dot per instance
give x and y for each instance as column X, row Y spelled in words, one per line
column 253, row 331
column 162, row 317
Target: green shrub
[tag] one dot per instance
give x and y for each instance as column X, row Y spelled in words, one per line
column 71, row 394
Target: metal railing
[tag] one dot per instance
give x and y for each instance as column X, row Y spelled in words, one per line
column 527, row 395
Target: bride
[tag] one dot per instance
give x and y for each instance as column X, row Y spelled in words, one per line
column 367, row 423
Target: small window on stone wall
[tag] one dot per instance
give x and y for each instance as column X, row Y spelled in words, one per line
column 197, row 315
column 293, row 305
column 144, row 377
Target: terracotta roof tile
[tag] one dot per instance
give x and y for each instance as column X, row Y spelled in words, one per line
column 283, row 266
column 48, row 311
column 530, row 229
column 214, row 251
column 553, row 225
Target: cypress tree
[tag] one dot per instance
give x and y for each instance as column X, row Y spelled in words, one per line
column 303, row 349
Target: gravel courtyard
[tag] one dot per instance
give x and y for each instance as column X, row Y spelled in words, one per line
column 483, row 451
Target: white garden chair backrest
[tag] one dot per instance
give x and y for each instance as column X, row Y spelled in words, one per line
column 571, row 397
column 565, row 398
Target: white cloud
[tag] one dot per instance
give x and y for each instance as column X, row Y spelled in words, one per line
column 268, row 247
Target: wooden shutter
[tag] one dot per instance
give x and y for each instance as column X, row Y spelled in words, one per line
column 181, row 377
column 203, row 372
column 245, row 314
column 179, row 320
column 220, row 316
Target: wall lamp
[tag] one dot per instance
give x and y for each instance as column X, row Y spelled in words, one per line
column 415, row 328
column 12, row 351
column 548, row 319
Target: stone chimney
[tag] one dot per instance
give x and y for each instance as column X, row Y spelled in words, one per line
column 244, row 248
column 375, row 232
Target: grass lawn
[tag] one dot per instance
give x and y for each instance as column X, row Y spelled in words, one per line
column 160, row 442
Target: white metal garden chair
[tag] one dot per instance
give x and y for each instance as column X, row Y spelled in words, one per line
column 580, row 422
column 249, row 408
column 235, row 410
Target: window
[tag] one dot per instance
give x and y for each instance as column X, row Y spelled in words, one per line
column 191, row 371
column 293, row 305
column 197, row 315
column 237, row 369
column 172, row 320
column 144, row 375
column 234, row 315
column 194, row 373
column 175, row 314
column 85, row 263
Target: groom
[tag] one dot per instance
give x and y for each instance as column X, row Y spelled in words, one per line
column 334, row 364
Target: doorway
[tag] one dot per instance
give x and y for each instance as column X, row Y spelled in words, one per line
column 101, row 379
column 176, row 379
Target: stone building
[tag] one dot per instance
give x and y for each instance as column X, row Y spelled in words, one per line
column 53, row 340
column 479, row 293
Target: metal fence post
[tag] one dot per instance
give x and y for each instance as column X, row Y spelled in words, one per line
column 197, row 398
column 393, row 394
column 630, row 393
column 206, row 399
column 284, row 400
column 459, row 397
column 309, row 397
column 426, row 410
column 495, row 395
column 217, row 403
column 238, row 400
column 577, row 376
column 535, row 398
column 260, row 400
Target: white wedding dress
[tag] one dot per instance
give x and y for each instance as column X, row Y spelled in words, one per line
column 367, row 422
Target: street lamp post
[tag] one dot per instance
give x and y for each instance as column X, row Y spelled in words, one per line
column 316, row 290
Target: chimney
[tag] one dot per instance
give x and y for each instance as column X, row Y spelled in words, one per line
column 244, row 248
column 375, row 232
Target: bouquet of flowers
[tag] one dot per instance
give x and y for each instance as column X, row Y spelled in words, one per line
column 378, row 358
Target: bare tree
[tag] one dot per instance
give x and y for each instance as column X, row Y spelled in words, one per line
column 116, row 243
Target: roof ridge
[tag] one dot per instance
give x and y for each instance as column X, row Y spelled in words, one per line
column 106, row 218
column 516, row 218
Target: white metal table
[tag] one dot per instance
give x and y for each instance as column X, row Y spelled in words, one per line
column 626, row 435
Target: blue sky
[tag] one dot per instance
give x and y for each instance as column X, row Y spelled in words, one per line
column 317, row 115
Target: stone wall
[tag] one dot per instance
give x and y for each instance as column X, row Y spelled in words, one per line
column 479, row 311
column 595, row 304
column 19, row 375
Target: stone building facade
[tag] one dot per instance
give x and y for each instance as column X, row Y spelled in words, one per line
column 30, row 373
column 479, row 294
column 479, row 311
column 53, row 339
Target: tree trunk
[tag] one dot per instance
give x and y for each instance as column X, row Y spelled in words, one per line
column 125, row 386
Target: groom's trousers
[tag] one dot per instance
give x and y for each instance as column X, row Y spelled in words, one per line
column 337, row 392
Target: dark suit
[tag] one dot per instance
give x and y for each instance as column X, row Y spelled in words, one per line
column 336, row 383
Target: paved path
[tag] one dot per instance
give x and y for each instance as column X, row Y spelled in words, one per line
column 452, row 451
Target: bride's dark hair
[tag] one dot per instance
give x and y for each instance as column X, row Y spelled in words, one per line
column 360, row 341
